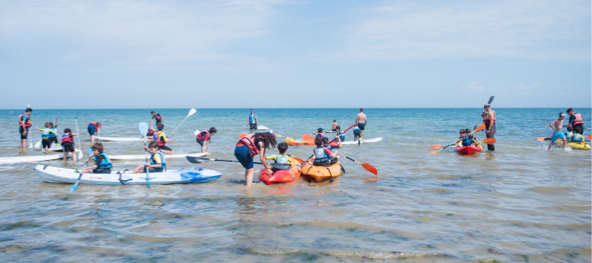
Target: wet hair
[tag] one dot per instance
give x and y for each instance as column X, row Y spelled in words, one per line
column 98, row 146
column 318, row 141
column 152, row 112
column 338, row 127
column 319, row 130
column 29, row 110
column 153, row 144
column 67, row 130
column 334, row 120
column 50, row 124
column 326, row 141
column 462, row 130
column 160, row 126
column 47, row 124
column 569, row 110
column 467, row 130
column 267, row 138
column 282, row 147
column 213, row 130
column 569, row 128
column 361, row 110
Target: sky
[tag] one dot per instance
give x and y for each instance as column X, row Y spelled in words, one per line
column 294, row 54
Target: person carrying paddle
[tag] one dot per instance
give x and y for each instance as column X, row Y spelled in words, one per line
column 203, row 137
column 24, row 126
column 155, row 117
column 575, row 121
column 361, row 120
column 253, row 122
column 94, row 128
column 489, row 119
column 161, row 139
column 102, row 162
column 557, row 126
column 250, row 146
column 157, row 162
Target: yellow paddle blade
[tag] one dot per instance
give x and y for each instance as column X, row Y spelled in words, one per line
column 541, row 139
column 242, row 135
column 436, row 146
column 307, row 137
column 480, row 128
column 489, row 141
column 433, row 152
column 589, row 137
column 370, row 168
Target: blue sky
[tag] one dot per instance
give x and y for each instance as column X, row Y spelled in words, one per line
column 274, row 53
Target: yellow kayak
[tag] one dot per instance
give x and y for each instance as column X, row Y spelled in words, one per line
column 574, row 145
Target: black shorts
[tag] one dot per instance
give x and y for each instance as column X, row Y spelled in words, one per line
column 101, row 171
column 68, row 147
column 362, row 126
column 253, row 126
column 54, row 140
column 46, row 143
column 357, row 134
column 200, row 142
column 153, row 169
column 21, row 130
column 164, row 148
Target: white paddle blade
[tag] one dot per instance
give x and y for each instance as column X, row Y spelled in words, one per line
column 196, row 132
column 143, row 128
column 191, row 112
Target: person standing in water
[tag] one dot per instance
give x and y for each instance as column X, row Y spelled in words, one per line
column 251, row 146
column 24, row 126
column 557, row 126
column 253, row 121
column 334, row 126
column 204, row 137
column 489, row 119
column 361, row 120
column 575, row 121
column 155, row 117
column 94, row 128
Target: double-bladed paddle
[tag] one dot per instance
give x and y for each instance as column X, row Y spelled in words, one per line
column 144, row 130
column 486, row 141
column 366, row 166
column 488, row 102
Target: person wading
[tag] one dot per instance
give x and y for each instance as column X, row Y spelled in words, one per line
column 24, row 126
column 575, row 121
column 489, row 119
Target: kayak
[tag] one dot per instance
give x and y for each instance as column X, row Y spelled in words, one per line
column 54, row 147
column 262, row 128
column 143, row 156
column 362, row 142
column 321, row 173
column 281, row 176
column 119, row 139
column 292, row 142
column 181, row 176
column 468, row 150
column 574, row 145
column 33, row 159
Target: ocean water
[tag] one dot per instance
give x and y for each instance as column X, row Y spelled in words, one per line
column 520, row 203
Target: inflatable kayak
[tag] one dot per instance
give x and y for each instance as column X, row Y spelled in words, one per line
column 33, row 159
column 182, row 176
column 281, row 176
column 54, row 147
column 574, row 145
column 321, row 173
column 143, row 156
column 292, row 142
column 468, row 150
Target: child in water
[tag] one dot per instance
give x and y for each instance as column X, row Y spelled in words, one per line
column 102, row 161
column 68, row 143
column 46, row 137
column 161, row 139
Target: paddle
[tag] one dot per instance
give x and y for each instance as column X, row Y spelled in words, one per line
column 191, row 112
column 435, row 152
column 480, row 128
column 342, row 122
column 366, row 166
column 489, row 141
column 75, row 186
column 488, row 102
column 200, row 160
column 78, row 137
column 143, row 130
column 589, row 137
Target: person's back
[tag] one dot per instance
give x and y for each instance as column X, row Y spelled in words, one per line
column 282, row 158
column 577, row 138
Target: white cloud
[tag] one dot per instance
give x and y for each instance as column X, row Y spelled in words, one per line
column 540, row 29
column 473, row 86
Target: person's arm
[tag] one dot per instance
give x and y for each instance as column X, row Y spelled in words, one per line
column 256, row 120
column 273, row 157
column 151, row 120
column 98, row 132
column 21, row 123
column 334, row 155
column 289, row 158
column 365, row 120
column 491, row 119
column 263, row 157
column 552, row 125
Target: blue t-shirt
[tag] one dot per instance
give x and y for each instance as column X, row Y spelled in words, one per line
column 252, row 118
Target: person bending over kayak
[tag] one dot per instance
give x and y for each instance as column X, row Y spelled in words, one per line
column 157, row 162
column 361, row 121
column 322, row 155
column 155, row 117
column 68, row 143
column 357, row 134
column 25, row 123
column 161, row 139
column 253, row 122
column 489, row 119
column 102, row 162
column 94, row 127
column 203, row 137
column 282, row 157
column 334, row 126
column 557, row 126
column 251, row 146
column 575, row 121
column 46, row 136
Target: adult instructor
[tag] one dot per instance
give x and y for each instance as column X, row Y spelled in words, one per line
column 489, row 119
column 253, row 121
column 251, row 146
column 361, row 120
column 575, row 121
column 24, row 126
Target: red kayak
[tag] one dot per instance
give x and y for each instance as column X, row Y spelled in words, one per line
column 468, row 150
column 281, row 176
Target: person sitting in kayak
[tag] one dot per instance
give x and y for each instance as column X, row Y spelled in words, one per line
column 157, row 161
column 282, row 157
column 68, row 143
column 461, row 138
column 204, row 137
column 161, row 139
column 322, row 155
column 93, row 127
column 319, row 132
column 557, row 126
column 570, row 136
column 46, row 136
column 472, row 141
column 250, row 146
column 102, row 162
column 334, row 126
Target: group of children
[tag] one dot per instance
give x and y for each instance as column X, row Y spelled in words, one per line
column 467, row 139
column 49, row 135
column 103, row 165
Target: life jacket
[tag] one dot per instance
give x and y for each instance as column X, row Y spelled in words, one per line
column 105, row 163
column 45, row 133
column 95, row 124
column 203, row 136
column 487, row 120
column 252, row 118
column 67, row 137
column 157, row 138
column 568, row 135
column 578, row 120
column 157, row 117
column 467, row 140
column 28, row 121
column 321, row 157
column 162, row 160
column 249, row 141
column 281, row 158
column 150, row 132
column 576, row 137
column 52, row 133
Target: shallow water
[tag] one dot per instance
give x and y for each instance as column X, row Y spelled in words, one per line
column 520, row 203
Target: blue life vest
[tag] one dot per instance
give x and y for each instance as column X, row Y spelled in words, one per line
column 321, row 156
column 576, row 137
column 45, row 134
column 467, row 140
column 105, row 163
column 53, row 133
column 281, row 158
column 162, row 161
column 252, row 118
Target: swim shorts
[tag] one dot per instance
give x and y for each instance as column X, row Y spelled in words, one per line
column 200, row 142
column 21, row 130
column 362, row 126
column 253, row 126
column 557, row 135
column 101, row 171
column 242, row 155
column 91, row 129
column 68, row 147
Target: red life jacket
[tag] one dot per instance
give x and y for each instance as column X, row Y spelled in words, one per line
column 487, row 121
column 96, row 124
column 249, row 141
column 67, row 137
column 150, row 132
column 157, row 139
column 203, row 136
column 28, row 123
column 578, row 120
column 157, row 117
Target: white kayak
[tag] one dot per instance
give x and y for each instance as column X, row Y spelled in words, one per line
column 54, row 147
column 34, row 159
column 262, row 128
column 119, row 139
column 181, row 176
column 143, row 156
column 363, row 141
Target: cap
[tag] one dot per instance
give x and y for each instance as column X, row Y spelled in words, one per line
column 486, row 105
column 562, row 114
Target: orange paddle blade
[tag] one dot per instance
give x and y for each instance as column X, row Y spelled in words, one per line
column 489, row 141
column 297, row 159
column 436, row 146
column 307, row 137
column 480, row 128
column 433, row 152
column 370, row 168
column 541, row 139
column 589, row 137
column 242, row 135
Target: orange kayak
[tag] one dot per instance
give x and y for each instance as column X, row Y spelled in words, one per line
column 292, row 142
column 281, row 176
column 322, row 173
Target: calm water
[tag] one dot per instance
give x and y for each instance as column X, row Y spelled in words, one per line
column 520, row 203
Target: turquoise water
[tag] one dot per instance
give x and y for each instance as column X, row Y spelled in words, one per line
column 519, row 203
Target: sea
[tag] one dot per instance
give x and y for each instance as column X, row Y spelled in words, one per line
column 519, row 203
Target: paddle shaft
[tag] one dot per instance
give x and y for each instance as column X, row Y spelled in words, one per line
column 182, row 122
column 78, row 137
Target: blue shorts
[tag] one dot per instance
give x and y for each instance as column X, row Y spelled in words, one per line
column 557, row 135
column 362, row 126
column 91, row 129
column 242, row 155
